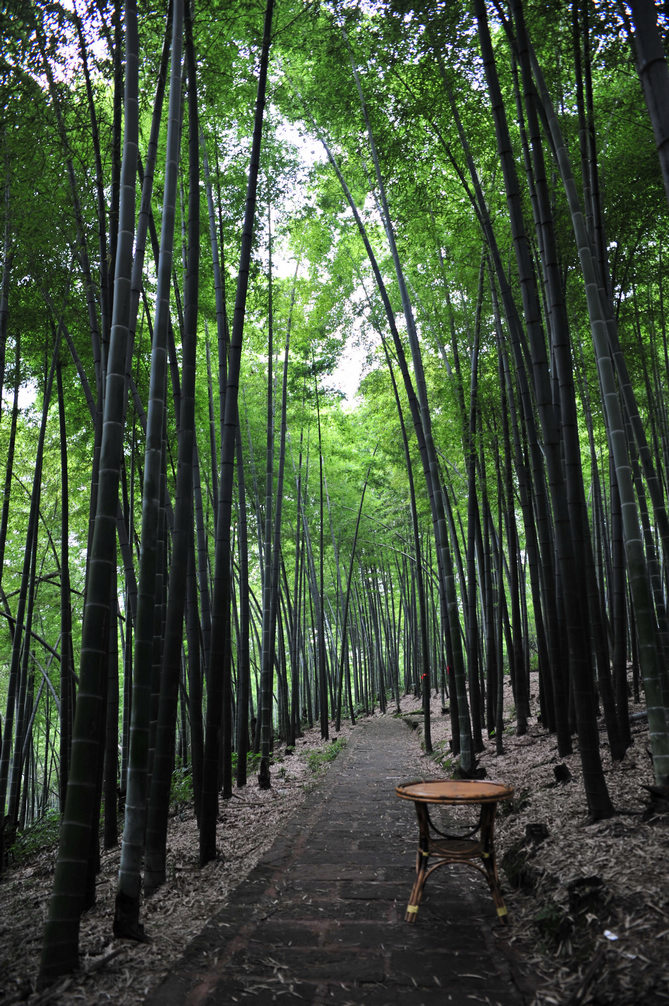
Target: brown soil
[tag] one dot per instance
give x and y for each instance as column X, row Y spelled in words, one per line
column 590, row 919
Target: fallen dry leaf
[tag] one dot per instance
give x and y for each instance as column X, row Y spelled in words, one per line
column 567, row 960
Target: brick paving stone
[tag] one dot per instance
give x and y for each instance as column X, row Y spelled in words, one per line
column 320, row 920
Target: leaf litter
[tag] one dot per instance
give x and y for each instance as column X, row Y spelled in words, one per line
column 588, row 922
column 564, row 947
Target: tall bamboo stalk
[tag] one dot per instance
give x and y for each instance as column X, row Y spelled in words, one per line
column 218, row 685
column 61, row 936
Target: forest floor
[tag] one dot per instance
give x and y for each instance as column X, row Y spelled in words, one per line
column 589, row 917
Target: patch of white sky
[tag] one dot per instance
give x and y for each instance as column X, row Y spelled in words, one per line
column 61, row 40
column 353, row 362
column 28, row 391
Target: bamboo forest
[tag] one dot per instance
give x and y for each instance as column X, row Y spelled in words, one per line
column 334, row 358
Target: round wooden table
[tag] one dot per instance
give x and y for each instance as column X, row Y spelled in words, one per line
column 474, row 848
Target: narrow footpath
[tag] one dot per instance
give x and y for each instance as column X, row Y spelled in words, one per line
column 320, row 919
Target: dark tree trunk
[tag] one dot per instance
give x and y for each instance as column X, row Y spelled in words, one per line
column 218, row 690
column 182, row 535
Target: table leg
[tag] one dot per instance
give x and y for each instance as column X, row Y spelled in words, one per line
column 422, row 857
column 488, row 858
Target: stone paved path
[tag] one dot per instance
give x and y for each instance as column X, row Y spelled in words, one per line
column 320, row 919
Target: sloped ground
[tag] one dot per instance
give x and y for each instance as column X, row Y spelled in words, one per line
column 590, row 916
column 122, row 972
column 609, row 946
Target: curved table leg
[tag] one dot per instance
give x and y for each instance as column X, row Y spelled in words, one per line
column 422, row 858
column 489, row 861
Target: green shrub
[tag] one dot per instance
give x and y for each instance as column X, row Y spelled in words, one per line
column 181, row 791
column 39, row 836
column 252, row 762
column 442, row 755
column 318, row 759
column 554, row 924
